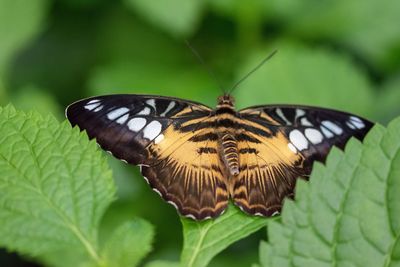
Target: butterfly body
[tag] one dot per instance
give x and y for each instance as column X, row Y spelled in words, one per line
column 198, row 158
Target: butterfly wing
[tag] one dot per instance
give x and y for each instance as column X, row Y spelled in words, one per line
column 189, row 174
column 160, row 135
column 282, row 144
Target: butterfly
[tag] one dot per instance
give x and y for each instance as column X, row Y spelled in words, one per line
column 197, row 158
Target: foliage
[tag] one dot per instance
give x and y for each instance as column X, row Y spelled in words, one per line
column 348, row 214
column 160, row 14
column 25, row 19
column 318, row 73
column 54, row 189
column 365, row 26
column 204, row 240
column 339, row 54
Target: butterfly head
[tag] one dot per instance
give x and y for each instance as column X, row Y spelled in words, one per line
column 225, row 101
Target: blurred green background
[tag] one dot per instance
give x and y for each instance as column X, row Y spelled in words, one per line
column 339, row 54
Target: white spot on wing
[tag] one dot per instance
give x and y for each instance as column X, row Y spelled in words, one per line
column 314, row 135
column 152, row 130
column 158, row 192
column 92, row 104
column 279, row 112
column 98, row 109
column 136, row 124
column 145, row 111
column 191, row 216
column 298, row 140
column 170, row 106
column 275, row 213
column 116, row 113
column 151, row 103
column 350, row 124
column 299, row 113
column 123, row 119
column 93, row 101
column 259, row 214
column 292, row 148
column 326, row 132
column 305, row 122
column 159, row 138
column 173, row 204
column 332, row 127
column 357, row 122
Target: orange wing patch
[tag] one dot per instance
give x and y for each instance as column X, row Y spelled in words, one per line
column 188, row 174
column 268, row 172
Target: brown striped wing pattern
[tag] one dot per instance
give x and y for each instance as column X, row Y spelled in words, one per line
column 284, row 143
column 189, row 174
column 268, row 172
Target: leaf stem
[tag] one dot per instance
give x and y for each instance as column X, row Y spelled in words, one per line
column 199, row 244
column 88, row 246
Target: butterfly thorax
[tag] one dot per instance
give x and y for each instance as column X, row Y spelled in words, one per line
column 228, row 148
column 225, row 101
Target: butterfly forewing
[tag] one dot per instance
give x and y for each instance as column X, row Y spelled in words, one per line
column 126, row 125
column 297, row 136
column 311, row 131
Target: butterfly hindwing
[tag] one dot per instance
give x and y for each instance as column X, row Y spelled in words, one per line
column 267, row 173
column 160, row 135
column 297, row 136
column 189, row 174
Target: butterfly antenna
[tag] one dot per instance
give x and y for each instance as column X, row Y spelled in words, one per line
column 214, row 78
column 252, row 71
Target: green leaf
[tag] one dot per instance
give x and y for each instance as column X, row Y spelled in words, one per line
column 349, row 212
column 20, row 21
column 300, row 75
column 128, row 244
column 264, row 253
column 163, row 14
column 70, row 257
column 387, row 103
column 81, row 4
column 163, row 264
column 54, row 186
column 3, row 95
column 204, row 240
column 32, row 98
column 369, row 27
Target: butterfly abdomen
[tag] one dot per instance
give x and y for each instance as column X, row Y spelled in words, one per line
column 230, row 153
